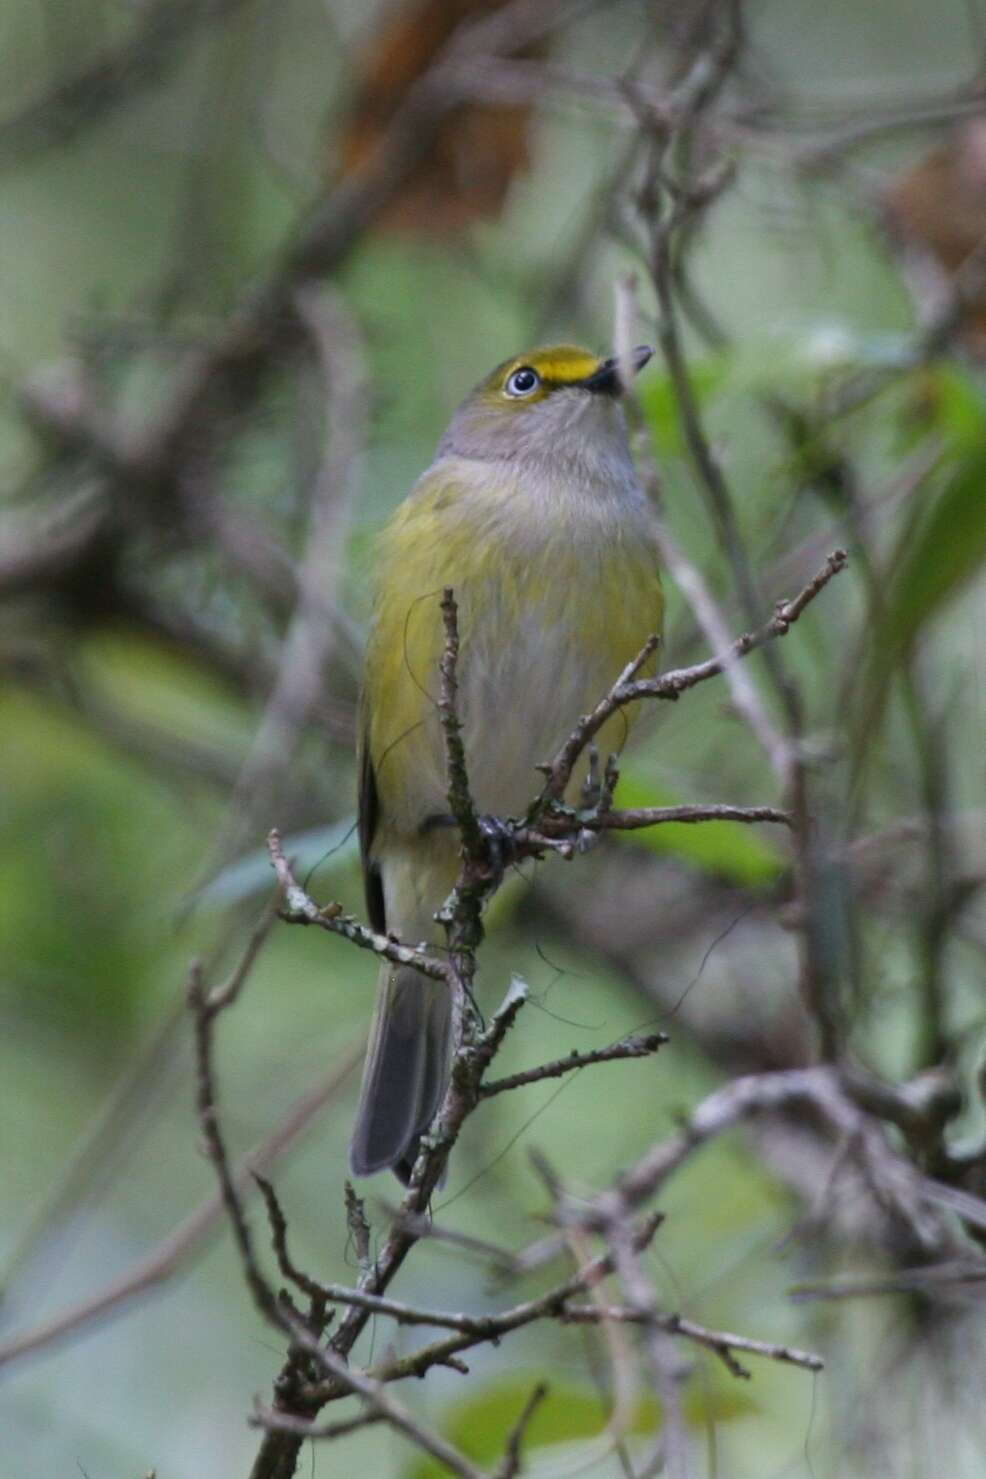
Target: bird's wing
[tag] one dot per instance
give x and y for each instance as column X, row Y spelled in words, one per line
column 369, row 815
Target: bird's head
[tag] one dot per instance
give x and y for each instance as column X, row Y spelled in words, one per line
column 555, row 402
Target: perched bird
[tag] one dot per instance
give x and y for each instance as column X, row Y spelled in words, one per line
column 532, row 512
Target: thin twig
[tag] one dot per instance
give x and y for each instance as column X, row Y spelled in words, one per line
column 659, row 1348
column 896, row 1184
column 460, row 799
column 203, row 1016
column 274, row 1421
column 307, row 647
column 300, row 908
column 632, row 819
column 747, row 700
column 627, row 1047
column 304, row 1343
column 192, row 1234
column 721, row 1341
column 398, row 1368
column 112, row 79
column 672, row 684
column 932, row 1278
column 512, row 1458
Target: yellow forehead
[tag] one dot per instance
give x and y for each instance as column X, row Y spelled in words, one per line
column 556, row 364
column 560, row 364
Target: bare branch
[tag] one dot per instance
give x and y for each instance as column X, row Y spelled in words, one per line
column 627, row 1047
column 721, row 1341
column 632, row 819
column 203, row 1017
column 308, row 642
column 932, row 1278
column 397, row 1368
column 713, row 624
column 305, row 1345
column 221, row 997
column 273, row 1421
column 459, row 795
column 897, row 1185
column 300, row 908
column 512, row 1459
column 672, row 684
column 109, row 82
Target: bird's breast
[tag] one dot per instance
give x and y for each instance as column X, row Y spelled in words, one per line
column 557, row 590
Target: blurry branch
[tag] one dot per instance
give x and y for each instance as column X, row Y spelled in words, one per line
column 904, row 1194
column 513, row 1458
column 745, row 697
column 725, row 1346
column 684, row 177
column 666, row 1375
column 767, row 127
column 306, row 1354
column 34, row 666
column 192, row 1235
column 149, row 488
column 117, row 75
column 305, row 652
column 825, row 154
column 932, row 1279
column 43, row 548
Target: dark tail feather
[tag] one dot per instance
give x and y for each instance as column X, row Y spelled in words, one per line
column 406, row 1072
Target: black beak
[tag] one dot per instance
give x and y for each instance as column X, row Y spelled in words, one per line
column 607, row 381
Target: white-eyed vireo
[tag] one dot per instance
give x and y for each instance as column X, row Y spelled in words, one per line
column 532, row 512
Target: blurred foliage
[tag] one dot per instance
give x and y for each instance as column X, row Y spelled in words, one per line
column 481, row 1425
column 727, row 849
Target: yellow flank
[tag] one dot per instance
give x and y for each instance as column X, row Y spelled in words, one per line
column 551, row 610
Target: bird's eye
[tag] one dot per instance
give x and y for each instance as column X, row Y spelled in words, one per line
column 524, row 381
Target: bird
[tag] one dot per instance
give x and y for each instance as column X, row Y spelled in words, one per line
column 532, row 512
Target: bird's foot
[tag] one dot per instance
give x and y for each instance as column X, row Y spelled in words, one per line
column 498, row 845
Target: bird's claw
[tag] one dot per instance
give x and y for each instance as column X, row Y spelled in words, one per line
column 498, row 844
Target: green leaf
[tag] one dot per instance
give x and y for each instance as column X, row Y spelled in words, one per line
column 479, row 1425
column 959, row 404
column 941, row 555
column 938, row 553
column 733, row 850
column 660, row 402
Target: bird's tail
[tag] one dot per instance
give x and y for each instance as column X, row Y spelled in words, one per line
column 406, row 1071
